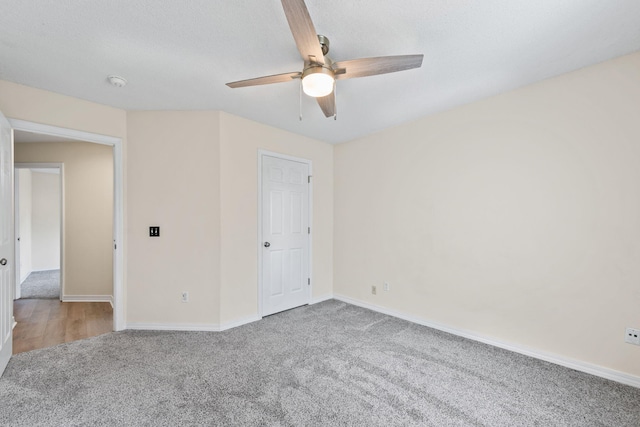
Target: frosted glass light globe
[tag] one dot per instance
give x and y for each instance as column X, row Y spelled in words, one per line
column 317, row 81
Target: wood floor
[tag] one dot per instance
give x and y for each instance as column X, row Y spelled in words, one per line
column 48, row 322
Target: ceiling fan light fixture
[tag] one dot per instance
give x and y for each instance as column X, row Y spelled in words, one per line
column 318, row 77
column 317, row 81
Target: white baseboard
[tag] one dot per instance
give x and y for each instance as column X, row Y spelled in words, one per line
column 211, row 327
column 239, row 322
column 578, row 365
column 204, row 327
column 88, row 298
column 207, row 327
column 321, row 299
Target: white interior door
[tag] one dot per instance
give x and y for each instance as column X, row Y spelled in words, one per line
column 285, row 234
column 6, row 243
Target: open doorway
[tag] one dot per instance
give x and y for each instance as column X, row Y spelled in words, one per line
column 38, row 230
column 83, row 306
column 116, row 145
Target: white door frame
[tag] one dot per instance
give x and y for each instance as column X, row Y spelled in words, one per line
column 7, row 321
column 16, row 216
column 16, row 236
column 308, row 162
column 118, row 201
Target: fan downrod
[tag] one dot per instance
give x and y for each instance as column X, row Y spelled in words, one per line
column 324, row 44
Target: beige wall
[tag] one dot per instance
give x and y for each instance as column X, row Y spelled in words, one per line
column 516, row 218
column 173, row 182
column 240, row 140
column 24, row 212
column 206, row 206
column 88, row 211
column 41, row 106
column 45, row 221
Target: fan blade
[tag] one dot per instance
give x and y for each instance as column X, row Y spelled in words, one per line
column 328, row 104
column 303, row 31
column 380, row 65
column 276, row 78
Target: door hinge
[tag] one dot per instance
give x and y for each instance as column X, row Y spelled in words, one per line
column 309, row 281
column 308, row 230
column 309, row 179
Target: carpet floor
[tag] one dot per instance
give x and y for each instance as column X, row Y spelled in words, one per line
column 330, row 364
column 41, row 285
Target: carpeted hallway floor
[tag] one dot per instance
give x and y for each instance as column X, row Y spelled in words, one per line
column 41, row 285
column 330, row 364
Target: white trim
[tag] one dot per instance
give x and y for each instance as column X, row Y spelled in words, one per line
column 78, row 135
column 60, row 168
column 88, row 298
column 309, row 163
column 321, row 299
column 239, row 322
column 205, row 327
column 118, row 237
column 578, row 365
column 17, row 240
column 118, row 201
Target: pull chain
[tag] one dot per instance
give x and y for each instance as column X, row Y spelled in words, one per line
column 335, row 103
column 300, row 96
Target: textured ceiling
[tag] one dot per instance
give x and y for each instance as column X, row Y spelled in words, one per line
column 178, row 55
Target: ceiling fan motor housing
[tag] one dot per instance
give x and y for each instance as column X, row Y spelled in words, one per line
column 324, row 44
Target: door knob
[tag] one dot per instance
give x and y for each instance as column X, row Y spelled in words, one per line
column 3, row 261
column 266, row 245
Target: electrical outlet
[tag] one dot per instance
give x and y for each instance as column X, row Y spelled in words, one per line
column 632, row 336
column 374, row 291
column 387, row 287
column 154, row 231
column 185, row 297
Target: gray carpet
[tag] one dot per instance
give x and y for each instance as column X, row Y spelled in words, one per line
column 41, row 284
column 330, row 364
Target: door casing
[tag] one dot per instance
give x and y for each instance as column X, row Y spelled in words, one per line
column 118, row 201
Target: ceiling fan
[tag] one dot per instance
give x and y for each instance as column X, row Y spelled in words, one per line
column 320, row 72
